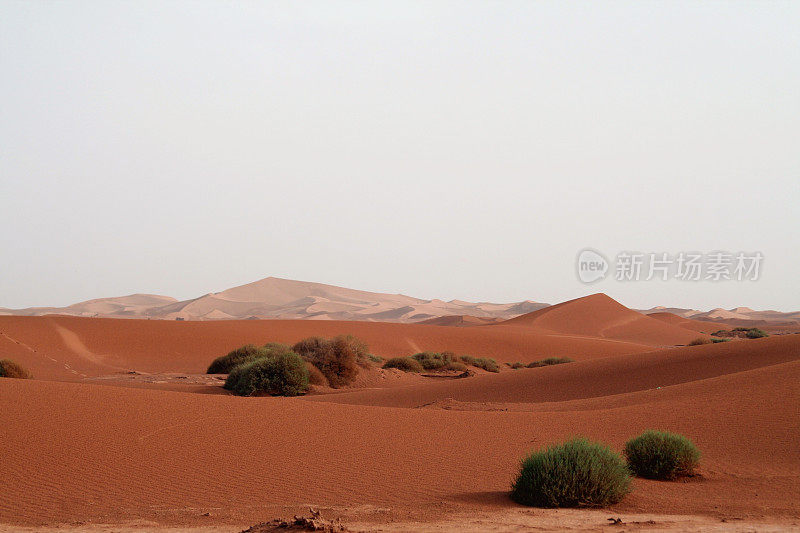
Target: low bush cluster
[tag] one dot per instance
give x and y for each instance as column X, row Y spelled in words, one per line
column 750, row 333
column 284, row 374
column 699, row 341
column 581, row 473
column 549, row 362
column 578, row 473
column 272, row 368
column 662, row 455
column 10, row 369
column 439, row 361
column 406, row 364
column 755, row 333
column 338, row 358
column 486, row 363
column 245, row 354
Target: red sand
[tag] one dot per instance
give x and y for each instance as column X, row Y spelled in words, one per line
column 78, row 452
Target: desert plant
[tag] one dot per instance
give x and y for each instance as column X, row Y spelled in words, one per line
column 755, row 333
column 549, row 361
column 699, row 341
column 315, row 376
column 490, row 365
column 578, row 473
column 406, row 364
column 716, row 341
column 516, row 365
column 284, row 374
column 375, row 358
column 661, row 455
column 337, row 358
column 10, row 369
column 439, row 361
column 244, row 354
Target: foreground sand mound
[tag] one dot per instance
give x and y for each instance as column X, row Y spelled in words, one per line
column 197, row 459
column 601, row 316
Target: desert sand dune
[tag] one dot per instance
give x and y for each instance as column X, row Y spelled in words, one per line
column 592, row 378
column 171, row 457
column 76, row 451
column 171, row 346
column 701, row 326
column 601, row 316
column 283, row 298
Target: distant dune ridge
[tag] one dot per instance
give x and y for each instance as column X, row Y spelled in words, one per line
column 289, row 299
column 286, row 299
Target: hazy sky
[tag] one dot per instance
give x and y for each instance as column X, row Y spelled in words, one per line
column 439, row 149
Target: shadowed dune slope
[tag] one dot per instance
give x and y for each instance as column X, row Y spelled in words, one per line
column 67, row 348
column 599, row 315
column 589, row 379
column 170, row 457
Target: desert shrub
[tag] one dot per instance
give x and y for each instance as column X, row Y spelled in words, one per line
column 278, row 347
column 490, row 365
column 439, row 361
column 315, row 376
column 549, row 361
column 375, row 358
column 698, row 341
column 456, row 366
column 244, row 354
column 516, row 365
column 755, row 333
column 406, row 364
column 308, row 348
column 336, row 358
column 715, row 341
column 661, row 455
column 740, row 329
column 10, row 369
column 578, row 473
column 284, row 374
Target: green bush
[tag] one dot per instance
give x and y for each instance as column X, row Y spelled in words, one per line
column 284, row 374
column 10, row 369
column 375, row 358
column 549, row 361
column 516, row 365
column 755, row 333
column 716, row 341
column 338, row 358
column 245, row 354
column 661, row 455
column 578, row 473
column 699, row 341
column 490, row 365
column 439, row 361
column 406, row 364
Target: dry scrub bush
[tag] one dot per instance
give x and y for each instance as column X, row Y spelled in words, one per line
column 578, row 473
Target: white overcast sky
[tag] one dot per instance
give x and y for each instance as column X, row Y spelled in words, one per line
column 439, row 149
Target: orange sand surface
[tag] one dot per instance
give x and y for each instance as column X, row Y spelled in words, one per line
column 422, row 451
